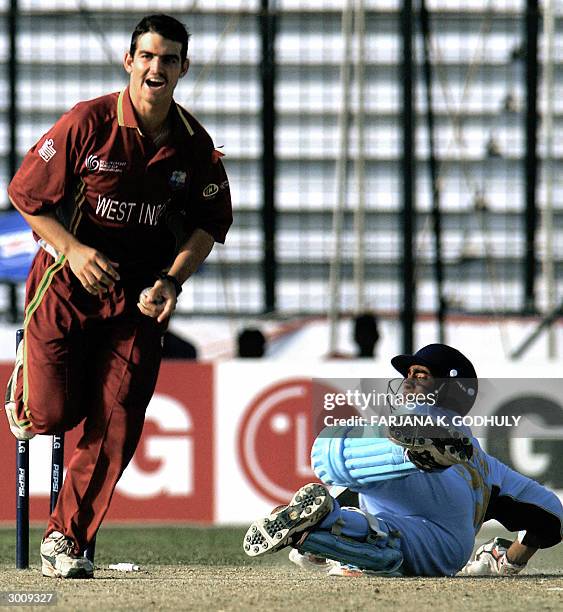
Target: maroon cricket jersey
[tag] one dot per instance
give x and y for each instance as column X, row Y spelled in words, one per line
column 117, row 192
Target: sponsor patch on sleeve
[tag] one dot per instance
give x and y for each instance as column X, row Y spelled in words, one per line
column 213, row 189
column 210, row 191
column 47, row 150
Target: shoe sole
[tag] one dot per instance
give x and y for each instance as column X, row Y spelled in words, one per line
column 19, row 432
column 308, row 506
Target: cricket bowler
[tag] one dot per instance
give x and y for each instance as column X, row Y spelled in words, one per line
column 124, row 192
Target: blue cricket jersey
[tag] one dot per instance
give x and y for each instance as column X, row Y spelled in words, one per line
column 439, row 513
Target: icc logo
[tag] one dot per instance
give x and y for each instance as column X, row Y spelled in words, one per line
column 92, row 163
column 275, row 438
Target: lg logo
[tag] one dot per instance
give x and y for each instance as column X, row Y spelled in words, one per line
column 275, row 438
column 536, row 447
column 171, row 451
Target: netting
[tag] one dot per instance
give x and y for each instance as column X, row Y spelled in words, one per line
column 70, row 50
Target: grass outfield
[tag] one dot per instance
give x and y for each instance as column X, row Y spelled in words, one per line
column 188, row 568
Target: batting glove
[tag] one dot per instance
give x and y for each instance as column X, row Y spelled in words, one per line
column 491, row 560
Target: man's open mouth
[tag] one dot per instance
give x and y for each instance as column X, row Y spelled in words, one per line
column 155, row 83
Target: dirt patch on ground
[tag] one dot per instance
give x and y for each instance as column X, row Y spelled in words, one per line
column 188, row 568
column 286, row 588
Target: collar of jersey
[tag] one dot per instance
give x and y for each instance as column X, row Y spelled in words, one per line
column 126, row 115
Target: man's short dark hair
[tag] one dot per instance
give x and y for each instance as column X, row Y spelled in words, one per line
column 167, row 27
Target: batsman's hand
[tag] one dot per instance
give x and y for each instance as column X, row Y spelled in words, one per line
column 433, row 450
column 93, row 269
column 491, row 559
column 158, row 301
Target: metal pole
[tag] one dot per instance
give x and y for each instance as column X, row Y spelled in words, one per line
column 57, row 477
column 57, row 468
column 548, row 264
column 530, row 158
column 546, row 322
column 434, row 178
column 22, row 493
column 359, row 217
column 12, row 88
column 268, row 79
column 408, row 170
column 341, row 178
column 13, row 125
column 22, row 504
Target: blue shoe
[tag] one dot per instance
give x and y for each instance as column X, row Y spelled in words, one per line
column 307, row 508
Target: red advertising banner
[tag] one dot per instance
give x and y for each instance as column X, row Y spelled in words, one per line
column 277, row 423
column 226, row 442
column 171, row 475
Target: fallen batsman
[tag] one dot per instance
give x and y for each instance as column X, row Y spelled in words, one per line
column 421, row 496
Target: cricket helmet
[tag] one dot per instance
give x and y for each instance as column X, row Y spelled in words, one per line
column 457, row 383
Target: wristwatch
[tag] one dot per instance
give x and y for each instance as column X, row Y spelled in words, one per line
column 173, row 280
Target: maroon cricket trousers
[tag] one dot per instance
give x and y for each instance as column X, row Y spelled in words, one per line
column 92, row 359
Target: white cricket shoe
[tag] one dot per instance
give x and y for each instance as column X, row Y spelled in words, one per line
column 491, row 560
column 310, row 562
column 59, row 561
column 20, row 429
column 307, row 508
